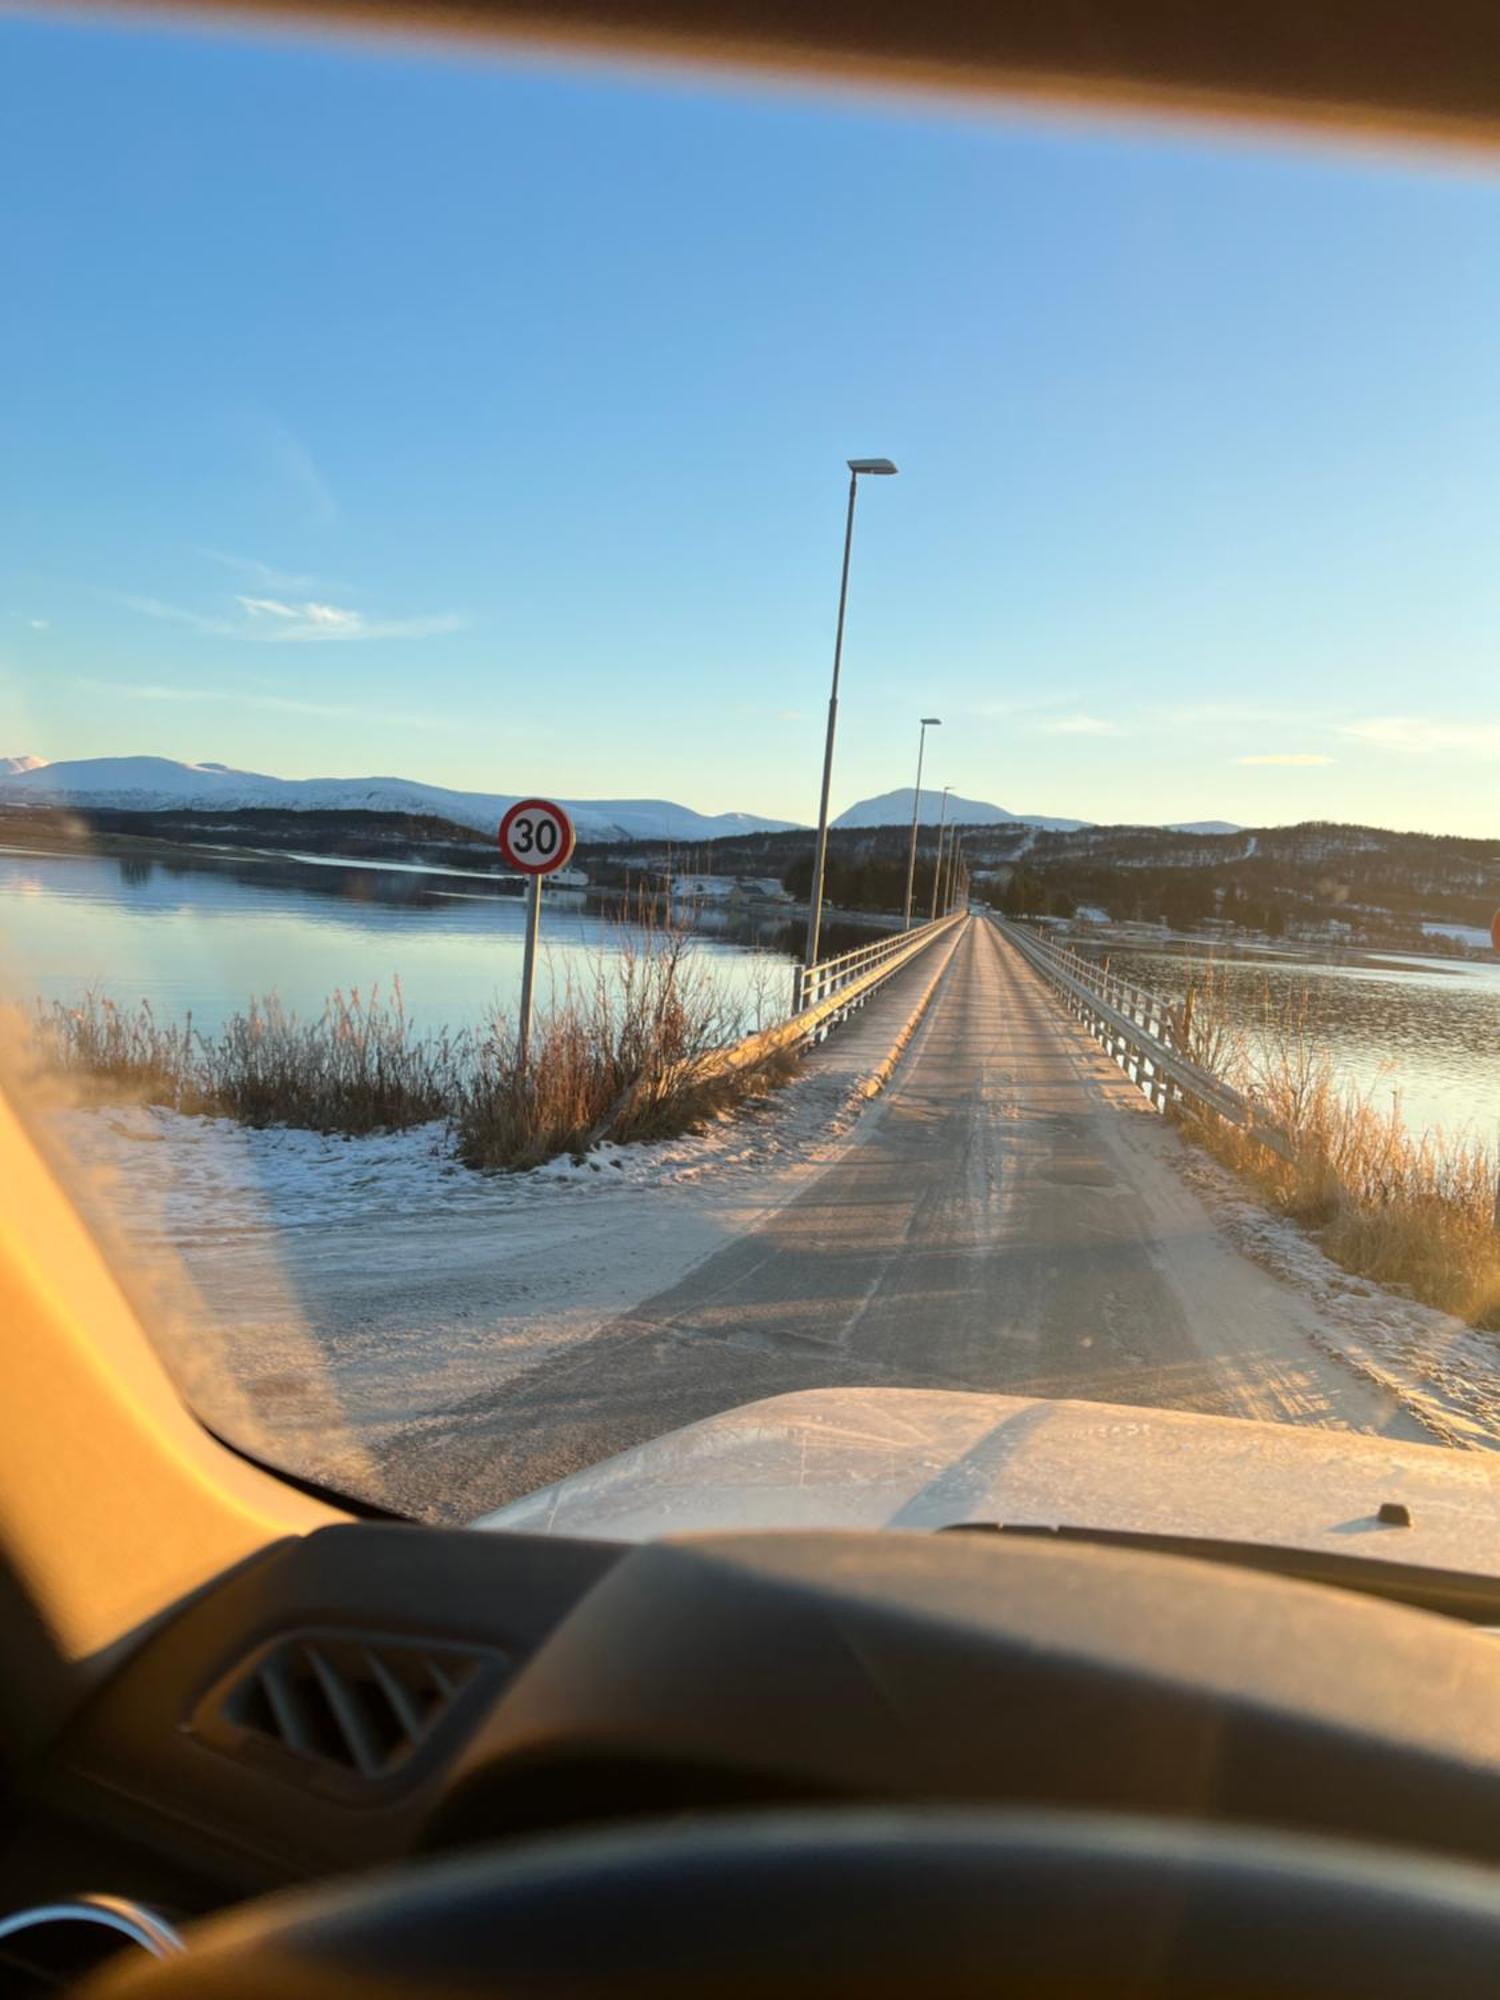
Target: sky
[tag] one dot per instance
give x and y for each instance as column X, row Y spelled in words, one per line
column 381, row 410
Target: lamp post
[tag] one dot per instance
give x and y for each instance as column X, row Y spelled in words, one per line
column 877, row 466
column 928, row 722
column 955, row 874
column 937, row 867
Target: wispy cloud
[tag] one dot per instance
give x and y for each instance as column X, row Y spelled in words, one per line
column 1427, row 736
column 1195, row 714
column 291, row 463
column 263, row 574
column 273, row 621
column 174, row 614
column 158, row 691
column 40, row 624
column 1078, row 725
column 1297, row 757
column 1000, row 707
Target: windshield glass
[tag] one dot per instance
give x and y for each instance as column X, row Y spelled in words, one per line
column 498, row 1010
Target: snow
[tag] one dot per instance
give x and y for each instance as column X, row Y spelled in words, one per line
column 316, row 1295
column 153, row 784
column 895, row 809
column 1444, row 1372
column 1470, row 934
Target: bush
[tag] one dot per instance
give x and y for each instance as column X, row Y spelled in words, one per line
column 1413, row 1211
column 626, row 1054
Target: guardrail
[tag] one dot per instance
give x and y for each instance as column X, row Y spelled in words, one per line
column 1145, row 1034
column 841, row 987
column 812, row 985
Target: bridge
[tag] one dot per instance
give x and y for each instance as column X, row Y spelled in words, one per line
column 1010, row 1215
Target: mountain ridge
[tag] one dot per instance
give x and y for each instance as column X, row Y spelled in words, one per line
column 165, row 784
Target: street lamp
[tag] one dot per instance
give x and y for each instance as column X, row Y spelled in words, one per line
column 937, row 866
column 957, row 867
column 928, row 722
column 879, row 467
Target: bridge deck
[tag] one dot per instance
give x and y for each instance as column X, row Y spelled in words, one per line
column 1008, row 1218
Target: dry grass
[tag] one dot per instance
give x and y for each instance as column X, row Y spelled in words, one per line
column 359, row 1068
column 1415, row 1212
column 626, row 1056
column 625, row 1053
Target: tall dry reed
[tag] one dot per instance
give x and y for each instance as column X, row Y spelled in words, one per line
column 620, row 1052
column 1414, row 1211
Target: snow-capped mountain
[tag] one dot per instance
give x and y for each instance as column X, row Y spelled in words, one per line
column 160, row 784
column 894, row 809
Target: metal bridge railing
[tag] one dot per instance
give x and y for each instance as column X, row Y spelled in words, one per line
column 1146, row 1035
column 855, row 974
column 841, row 985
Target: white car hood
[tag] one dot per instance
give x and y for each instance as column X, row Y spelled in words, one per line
column 923, row 1459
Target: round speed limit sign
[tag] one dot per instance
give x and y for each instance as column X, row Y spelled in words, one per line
column 536, row 837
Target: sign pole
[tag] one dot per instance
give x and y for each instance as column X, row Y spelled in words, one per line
column 528, row 968
column 536, row 839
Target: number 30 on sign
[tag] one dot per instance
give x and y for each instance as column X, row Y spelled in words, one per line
column 536, row 837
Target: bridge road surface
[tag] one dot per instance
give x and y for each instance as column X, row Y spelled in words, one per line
column 1006, row 1218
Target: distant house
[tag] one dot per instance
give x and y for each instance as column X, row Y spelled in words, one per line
column 761, row 889
column 702, row 888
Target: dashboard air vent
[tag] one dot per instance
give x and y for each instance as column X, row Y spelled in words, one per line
column 349, row 1706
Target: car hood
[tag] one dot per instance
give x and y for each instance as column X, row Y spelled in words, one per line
column 923, row 1459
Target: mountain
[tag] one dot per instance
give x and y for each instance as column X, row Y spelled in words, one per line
column 160, row 784
column 894, row 809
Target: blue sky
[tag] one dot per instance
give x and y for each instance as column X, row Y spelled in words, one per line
column 378, row 410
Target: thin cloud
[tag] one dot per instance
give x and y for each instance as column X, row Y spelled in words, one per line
column 40, row 624
column 1001, row 707
column 157, row 691
column 1256, row 714
column 273, row 621
column 1296, row 757
column 263, row 574
column 291, row 462
column 176, row 614
column 1079, row 725
column 1427, row 736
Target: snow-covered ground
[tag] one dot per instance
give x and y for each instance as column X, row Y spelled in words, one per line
column 1470, row 934
column 315, row 1294
column 1442, row 1371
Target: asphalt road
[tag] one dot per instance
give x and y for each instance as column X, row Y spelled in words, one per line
column 1007, row 1217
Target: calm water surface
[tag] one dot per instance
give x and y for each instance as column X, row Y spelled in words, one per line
column 1426, row 1029
column 204, row 936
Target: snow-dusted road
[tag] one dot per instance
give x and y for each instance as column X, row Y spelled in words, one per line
column 1009, row 1215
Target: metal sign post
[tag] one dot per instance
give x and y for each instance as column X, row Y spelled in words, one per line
column 536, row 839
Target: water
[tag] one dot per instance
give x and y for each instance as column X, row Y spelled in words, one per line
column 203, row 935
column 1426, row 1029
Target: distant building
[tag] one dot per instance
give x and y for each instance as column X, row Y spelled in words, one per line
column 702, row 888
column 761, row 889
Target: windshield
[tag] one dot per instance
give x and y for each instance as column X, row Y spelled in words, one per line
column 497, row 1008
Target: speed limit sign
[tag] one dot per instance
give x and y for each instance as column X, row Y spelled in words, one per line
column 536, row 837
